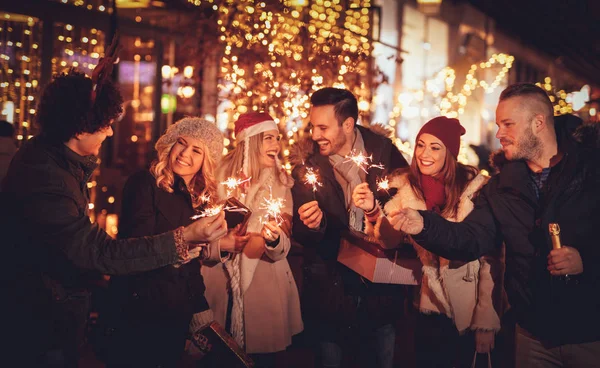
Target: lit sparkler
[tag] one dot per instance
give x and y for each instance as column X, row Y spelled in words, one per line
column 216, row 209
column 383, row 184
column 363, row 162
column 208, row 212
column 205, row 198
column 274, row 206
column 232, row 183
column 311, row 178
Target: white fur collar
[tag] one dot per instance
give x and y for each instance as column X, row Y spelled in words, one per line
column 406, row 197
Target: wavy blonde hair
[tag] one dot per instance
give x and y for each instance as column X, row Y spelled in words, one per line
column 203, row 183
column 233, row 163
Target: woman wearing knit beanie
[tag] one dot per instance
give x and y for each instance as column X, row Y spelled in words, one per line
column 149, row 316
column 459, row 303
column 253, row 291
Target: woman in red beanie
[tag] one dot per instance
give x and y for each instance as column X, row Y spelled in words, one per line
column 457, row 301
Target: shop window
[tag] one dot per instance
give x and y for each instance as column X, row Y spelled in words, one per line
column 132, row 142
column 76, row 47
column 20, row 70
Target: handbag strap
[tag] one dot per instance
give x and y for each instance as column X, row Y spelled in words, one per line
column 489, row 356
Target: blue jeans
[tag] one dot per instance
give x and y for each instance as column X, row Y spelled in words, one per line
column 381, row 341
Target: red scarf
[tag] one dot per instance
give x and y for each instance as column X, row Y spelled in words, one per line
column 434, row 192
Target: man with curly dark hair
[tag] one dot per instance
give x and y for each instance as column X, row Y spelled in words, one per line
column 66, row 112
column 48, row 237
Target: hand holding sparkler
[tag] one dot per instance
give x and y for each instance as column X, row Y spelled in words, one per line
column 271, row 231
column 311, row 215
column 206, row 229
column 363, row 198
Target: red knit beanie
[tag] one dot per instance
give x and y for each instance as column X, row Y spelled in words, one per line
column 447, row 130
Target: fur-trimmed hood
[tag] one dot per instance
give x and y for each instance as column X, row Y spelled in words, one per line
column 569, row 129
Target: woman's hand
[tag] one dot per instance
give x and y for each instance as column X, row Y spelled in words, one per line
column 270, row 231
column 232, row 242
column 363, row 197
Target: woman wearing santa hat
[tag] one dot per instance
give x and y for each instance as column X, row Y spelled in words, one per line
column 252, row 291
column 457, row 301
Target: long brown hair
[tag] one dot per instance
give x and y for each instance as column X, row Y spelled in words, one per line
column 454, row 175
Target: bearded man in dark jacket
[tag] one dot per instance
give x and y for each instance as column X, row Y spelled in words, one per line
column 339, row 302
column 49, row 241
column 548, row 175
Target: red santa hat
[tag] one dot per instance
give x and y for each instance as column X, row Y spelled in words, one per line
column 251, row 124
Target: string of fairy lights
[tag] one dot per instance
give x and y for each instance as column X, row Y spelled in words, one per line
column 441, row 88
column 77, row 47
column 278, row 52
column 558, row 98
column 275, row 54
column 20, row 63
column 98, row 5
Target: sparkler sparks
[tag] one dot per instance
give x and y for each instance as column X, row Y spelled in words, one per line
column 363, row 162
column 383, row 184
column 311, row 178
column 274, row 206
column 208, row 212
column 216, row 209
column 232, row 183
column 205, row 198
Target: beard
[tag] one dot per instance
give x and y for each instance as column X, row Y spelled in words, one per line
column 334, row 144
column 529, row 147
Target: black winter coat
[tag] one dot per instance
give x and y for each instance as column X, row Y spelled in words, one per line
column 50, row 247
column 508, row 210
column 149, row 313
column 325, row 294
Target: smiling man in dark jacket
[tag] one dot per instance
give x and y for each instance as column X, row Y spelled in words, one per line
column 340, row 302
column 548, row 175
column 49, row 243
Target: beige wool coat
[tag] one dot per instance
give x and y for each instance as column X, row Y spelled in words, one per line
column 266, row 305
column 470, row 293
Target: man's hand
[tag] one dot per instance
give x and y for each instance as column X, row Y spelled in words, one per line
column 363, row 197
column 406, row 220
column 310, row 214
column 206, row 230
column 565, row 261
column 484, row 341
